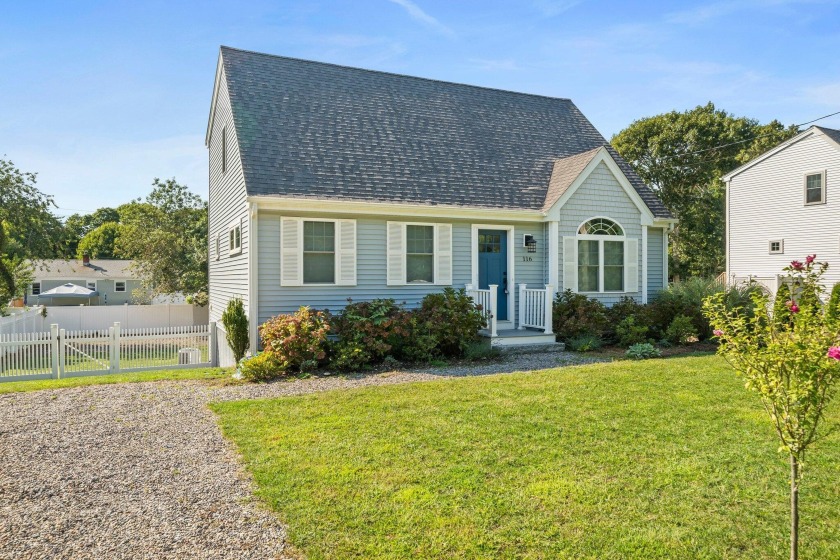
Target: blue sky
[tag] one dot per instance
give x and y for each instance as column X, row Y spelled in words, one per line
column 101, row 97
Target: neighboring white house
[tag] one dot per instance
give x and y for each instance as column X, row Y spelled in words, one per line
column 783, row 206
column 329, row 183
column 112, row 281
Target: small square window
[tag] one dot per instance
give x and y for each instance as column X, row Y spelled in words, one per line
column 777, row 247
column 36, row 288
column 119, row 286
column 815, row 188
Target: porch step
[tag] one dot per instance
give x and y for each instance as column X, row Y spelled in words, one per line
column 525, row 337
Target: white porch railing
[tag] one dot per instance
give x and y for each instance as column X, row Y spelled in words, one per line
column 535, row 308
column 486, row 300
column 62, row 353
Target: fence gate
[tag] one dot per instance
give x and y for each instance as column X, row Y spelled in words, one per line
column 86, row 352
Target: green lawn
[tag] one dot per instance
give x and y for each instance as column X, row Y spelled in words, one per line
column 659, row 459
column 159, row 375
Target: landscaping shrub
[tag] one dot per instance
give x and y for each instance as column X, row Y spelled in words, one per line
column 262, row 367
column 585, row 342
column 781, row 313
column 368, row 332
column 236, row 328
column 297, row 341
column 479, row 351
column 445, row 324
column 628, row 332
column 643, row 351
column 575, row 315
column 680, row 331
column 832, row 311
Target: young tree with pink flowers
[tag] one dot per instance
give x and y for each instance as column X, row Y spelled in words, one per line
column 793, row 364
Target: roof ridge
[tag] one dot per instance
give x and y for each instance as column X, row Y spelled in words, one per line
column 395, row 74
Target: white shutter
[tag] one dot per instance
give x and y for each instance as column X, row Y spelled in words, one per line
column 345, row 258
column 570, row 264
column 631, row 265
column 291, row 251
column 443, row 254
column 396, row 253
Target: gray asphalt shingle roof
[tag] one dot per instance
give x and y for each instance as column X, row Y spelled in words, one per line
column 831, row 133
column 314, row 130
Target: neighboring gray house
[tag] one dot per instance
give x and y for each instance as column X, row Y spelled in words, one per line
column 329, row 182
column 784, row 205
column 113, row 280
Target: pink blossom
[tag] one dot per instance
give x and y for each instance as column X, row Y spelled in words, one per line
column 810, row 258
column 718, row 333
column 792, row 306
column 796, row 265
column 834, row 353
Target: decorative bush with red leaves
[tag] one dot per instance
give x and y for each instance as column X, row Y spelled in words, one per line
column 297, row 341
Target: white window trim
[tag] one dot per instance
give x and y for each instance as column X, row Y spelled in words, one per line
column 434, row 253
column 781, row 250
column 95, row 285
column 32, row 288
column 117, row 288
column 511, row 264
column 601, row 239
column 822, row 190
column 232, row 227
column 335, row 251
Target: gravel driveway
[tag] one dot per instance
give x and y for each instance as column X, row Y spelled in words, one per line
column 140, row 470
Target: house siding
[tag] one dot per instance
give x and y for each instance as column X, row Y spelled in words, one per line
column 600, row 194
column 228, row 275
column 655, row 240
column 371, row 257
column 766, row 202
column 105, row 287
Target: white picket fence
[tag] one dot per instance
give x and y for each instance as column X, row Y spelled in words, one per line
column 535, row 308
column 73, row 353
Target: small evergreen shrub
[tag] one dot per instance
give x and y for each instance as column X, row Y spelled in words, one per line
column 629, row 332
column 643, row 351
column 576, row 315
column 681, row 330
column 236, row 328
column 585, row 342
column 297, row 341
column 481, row 351
column 262, row 367
column 368, row 332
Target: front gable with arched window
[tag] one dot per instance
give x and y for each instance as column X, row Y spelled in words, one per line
column 600, row 258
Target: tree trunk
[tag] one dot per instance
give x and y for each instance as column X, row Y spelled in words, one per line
column 794, row 508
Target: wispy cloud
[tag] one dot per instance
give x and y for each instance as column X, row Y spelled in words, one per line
column 416, row 13
column 715, row 10
column 551, row 8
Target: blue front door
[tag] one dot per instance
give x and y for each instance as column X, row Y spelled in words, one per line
column 492, row 266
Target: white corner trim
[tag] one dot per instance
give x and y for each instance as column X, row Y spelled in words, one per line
column 603, row 156
column 644, row 264
column 511, row 261
column 253, row 278
column 216, row 85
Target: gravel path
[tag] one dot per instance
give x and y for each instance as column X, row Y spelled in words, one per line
column 140, row 470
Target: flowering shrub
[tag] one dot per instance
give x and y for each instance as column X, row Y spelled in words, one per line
column 445, row 324
column 368, row 332
column 791, row 362
column 297, row 341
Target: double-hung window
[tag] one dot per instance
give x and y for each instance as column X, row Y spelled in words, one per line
column 600, row 259
column 420, row 254
column 36, row 288
column 815, row 188
column 318, row 252
column 235, row 238
column 91, row 285
column 119, row 286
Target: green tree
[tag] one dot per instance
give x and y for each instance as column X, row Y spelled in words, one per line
column 28, row 228
column 682, row 157
column 100, row 243
column 793, row 366
column 78, row 226
column 166, row 235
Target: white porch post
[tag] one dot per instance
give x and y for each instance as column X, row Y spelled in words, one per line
column 522, row 306
column 553, row 253
column 549, row 299
column 494, row 298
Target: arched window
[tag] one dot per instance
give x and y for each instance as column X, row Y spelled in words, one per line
column 600, row 226
column 600, row 256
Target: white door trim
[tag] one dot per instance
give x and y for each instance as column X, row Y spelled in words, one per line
column 511, row 262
